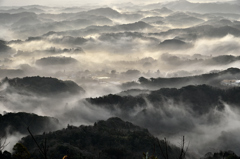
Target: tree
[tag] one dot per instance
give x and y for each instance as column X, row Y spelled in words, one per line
column 20, row 152
column 43, row 150
column 165, row 153
column 143, row 80
column 3, row 143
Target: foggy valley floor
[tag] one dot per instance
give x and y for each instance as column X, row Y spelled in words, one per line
column 114, row 80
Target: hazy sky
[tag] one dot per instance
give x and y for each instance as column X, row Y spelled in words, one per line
column 76, row 2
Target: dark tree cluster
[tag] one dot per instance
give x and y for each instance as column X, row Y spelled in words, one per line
column 111, row 139
column 43, row 85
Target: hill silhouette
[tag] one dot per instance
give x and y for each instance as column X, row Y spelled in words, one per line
column 42, row 85
column 11, row 123
column 113, row 138
column 213, row 79
column 199, row 100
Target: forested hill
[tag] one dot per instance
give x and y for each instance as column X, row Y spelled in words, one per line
column 42, row 85
column 18, row 122
column 200, row 99
column 113, row 138
column 213, row 79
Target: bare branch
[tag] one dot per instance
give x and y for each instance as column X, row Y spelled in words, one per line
column 183, row 150
column 43, row 152
column 161, row 150
column 3, row 143
column 165, row 140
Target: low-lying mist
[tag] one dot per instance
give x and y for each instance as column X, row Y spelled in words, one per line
column 118, row 56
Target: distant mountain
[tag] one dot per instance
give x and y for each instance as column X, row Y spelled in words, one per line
column 201, row 31
column 78, row 23
column 48, row 61
column 213, row 79
column 75, row 16
column 172, row 44
column 73, row 9
column 231, row 16
column 26, row 21
column 22, row 9
column 6, row 18
column 198, row 100
column 112, row 138
column 111, row 13
column 64, row 40
column 131, row 16
column 183, row 19
column 131, row 35
column 152, row 19
column 126, row 103
column 75, row 41
column 56, row 22
column 163, row 10
column 222, row 60
column 11, row 123
column 219, row 23
column 223, row 31
column 42, row 85
column 107, row 12
column 58, row 17
column 53, row 51
column 97, row 20
column 197, row 59
column 134, row 26
column 37, row 6
column 216, row 7
column 133, row 92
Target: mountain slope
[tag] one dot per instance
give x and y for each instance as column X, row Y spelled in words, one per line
column 213, row 79
column 11, row 123
column 197, row 99
column 112, row 138
column 42, row 85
